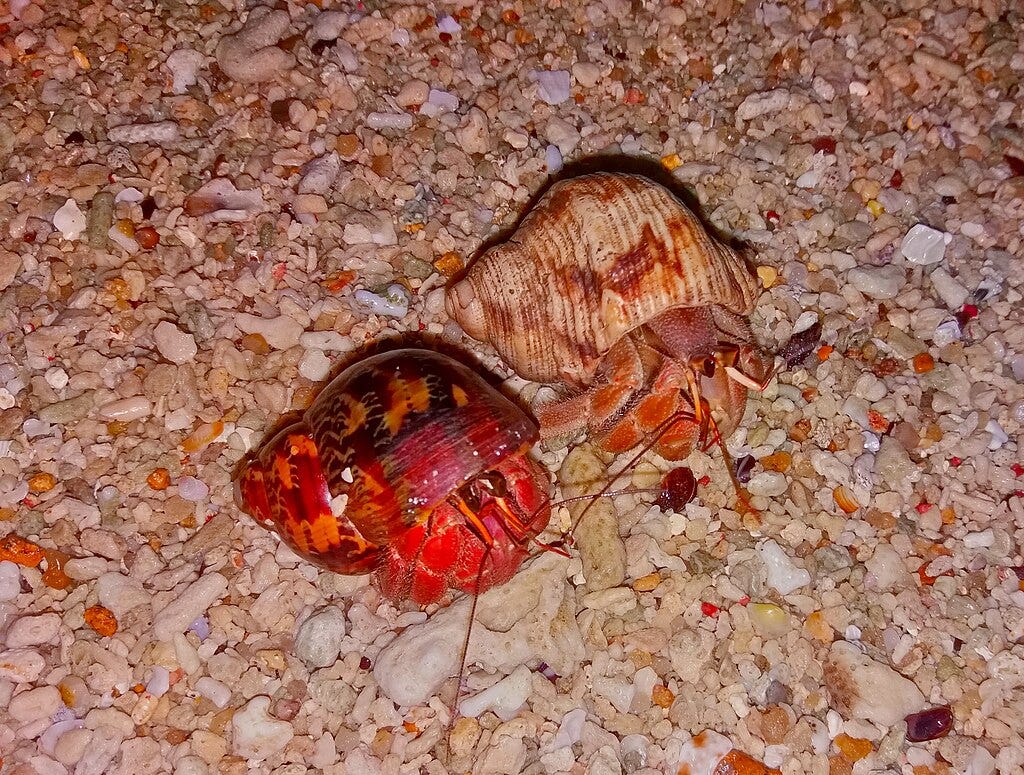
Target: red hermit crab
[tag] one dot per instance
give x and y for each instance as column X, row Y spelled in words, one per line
column 409, row 465
column 612, row 288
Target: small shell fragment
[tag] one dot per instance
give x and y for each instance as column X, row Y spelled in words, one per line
column 845, row 500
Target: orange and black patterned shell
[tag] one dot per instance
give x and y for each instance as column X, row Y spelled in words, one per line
column 598, row 256
column 385, row 442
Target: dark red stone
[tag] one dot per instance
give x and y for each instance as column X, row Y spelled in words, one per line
column 929, row 724
column 677, row 489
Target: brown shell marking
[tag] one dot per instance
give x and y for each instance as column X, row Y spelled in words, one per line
column 611, row 251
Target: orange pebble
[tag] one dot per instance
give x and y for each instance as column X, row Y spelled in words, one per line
column 42, row 482
column 203, row 435
column 20, row 551
column 818, row 627
column 923, row 362
column 101, row 620
column 662, row 696
column 777, row 461
column 159, row 479
column 824, row 351
column 853, row 749
column 738, row 763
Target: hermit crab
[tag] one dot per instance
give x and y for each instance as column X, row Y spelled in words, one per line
column 612, row 288
column 408, row 465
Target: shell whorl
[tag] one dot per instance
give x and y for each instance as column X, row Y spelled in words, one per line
column 598, row 256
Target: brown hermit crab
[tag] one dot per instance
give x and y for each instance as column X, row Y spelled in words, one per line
column 613, row 289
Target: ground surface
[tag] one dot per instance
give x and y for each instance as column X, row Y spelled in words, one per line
column 152, row 334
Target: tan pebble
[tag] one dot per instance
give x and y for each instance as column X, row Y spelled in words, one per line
column 647, row 583
column 72, row 745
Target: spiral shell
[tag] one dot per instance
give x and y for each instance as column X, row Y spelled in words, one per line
column 377, row 452
column 598, row 256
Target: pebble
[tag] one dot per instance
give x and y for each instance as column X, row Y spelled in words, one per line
column 328, row 25
column 877, row 282
column 701, row 754
column 414, row 92
column 318, row 641
column 32, row 630
column 762, row 103
column 21, row 665
column 952, row 293
column 314, row 366
column 587, row 74
column 570, row 729
column 184, row 64
column 251, row 54
column 256, row 735
column 10, row 579
column 159, row 682
column 981, row 539
column 319, row 174
column 924, row 245
column 331, row 341
column 399, row 121
column 938, row 66
column 121, row 593
column 192, row 489
column 770, row 484
column 69, row 220
column 127, row 409
column 215, row 691
column 156, row 133
column 784, row 576
column 174, row 344
column 191, row 765
column 863, row 688
column 193, row 601
column 504, row 698
column 394, row 303
column 33, row 704
column 72, row 745
column 887, row 569
column 10, row 265
column 281, row 332
column 552, row 159
column 439, row 102
column 552, row 85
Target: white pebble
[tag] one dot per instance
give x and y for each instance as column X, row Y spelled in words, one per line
column 553, row 159
column 50, row 740
column 34, row 704
column 127, row 409
column 394, row 303
column 281, row 332
column 402, row 121
column 173, row 343
column 192, row 489
column 446, row 23
column 330, row 341
column 319, row 174
column 618, row 691
column 762, row 103
column 85, row 568
column 186, row 654
column 215, row 691
column 257, row 735
column 570, row 730
column 56, row 377
column 184, row 65
column 980, row 540
column 156, row 133
column 21, row 665
column 318, row 641
column 701, row 754
column 552, row 85
column 10, row 580
column 946, row 332
column 869, row 387
column 886, row 569
column 952, row 293
column 439, row 102
column 33, row 630
column 192, row 765
column 784, row 576
column 882, row 282
column 314, row 366
column 186, row 608
column 159, row 682
column 121, row 593
column 69, row 220
column 999, row 436
column 768, row 483
column 505, row 697
column 925, row 245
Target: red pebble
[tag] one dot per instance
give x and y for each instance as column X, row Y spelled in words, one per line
column 955, row 461
column 147, row 237
column 1017, row 469
column 677, row 489
column 922, row 507
column 929, row 724
column 709, row 609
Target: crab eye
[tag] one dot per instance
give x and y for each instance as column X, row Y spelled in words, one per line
column 707, row 366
